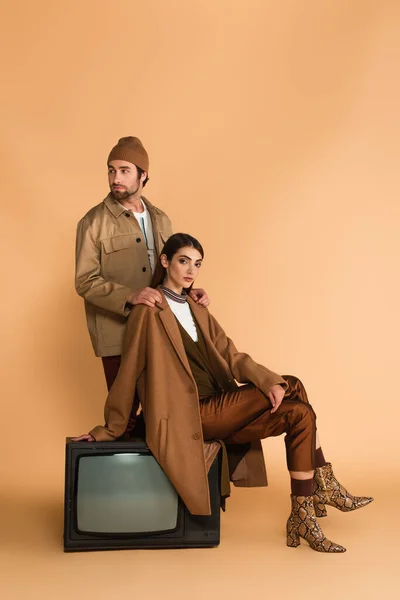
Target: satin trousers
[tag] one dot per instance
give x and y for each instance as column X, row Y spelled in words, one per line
column 245, row 415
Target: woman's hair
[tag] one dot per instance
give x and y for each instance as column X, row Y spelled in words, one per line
column 171, row 247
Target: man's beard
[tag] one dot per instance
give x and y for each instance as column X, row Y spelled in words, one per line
column 123, row 194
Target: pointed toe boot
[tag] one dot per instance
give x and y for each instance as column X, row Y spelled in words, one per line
column 302, row 523
column 328, row 491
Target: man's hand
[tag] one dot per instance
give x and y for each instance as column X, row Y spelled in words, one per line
column 83, row 438
column 147, row 296
column 276, row 394
column 200, row 296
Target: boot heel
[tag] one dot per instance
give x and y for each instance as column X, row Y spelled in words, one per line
column 302, row 519
column 293, row 540
column 292, row 536
column 320, row 510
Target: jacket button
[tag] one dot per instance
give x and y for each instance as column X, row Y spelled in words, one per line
column 127, row 215
column 144, row 269
column 138, row 240
column 196, row 436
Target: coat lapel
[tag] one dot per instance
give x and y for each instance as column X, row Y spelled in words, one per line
column 168, row 320
column 201, row 316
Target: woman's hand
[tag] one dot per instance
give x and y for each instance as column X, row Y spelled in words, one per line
column 276, row 394
column 200, row 296
column 83, row 438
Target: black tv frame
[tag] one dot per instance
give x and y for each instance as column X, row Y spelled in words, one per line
column 192, row 531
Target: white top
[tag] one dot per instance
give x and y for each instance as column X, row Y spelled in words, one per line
column 146, row 226
column 144, row 221
column 184, row 316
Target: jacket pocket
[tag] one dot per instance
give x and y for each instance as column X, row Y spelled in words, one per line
column 162, row 439
column 118, row 242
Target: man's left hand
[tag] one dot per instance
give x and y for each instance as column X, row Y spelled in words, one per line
column 200, row 296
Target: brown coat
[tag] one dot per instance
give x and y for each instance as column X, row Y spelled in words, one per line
column 155, row 363
column 111, row 263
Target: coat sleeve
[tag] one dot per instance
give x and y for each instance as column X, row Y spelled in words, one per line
column 243, row 367
column 88, row 280
column 121, row 396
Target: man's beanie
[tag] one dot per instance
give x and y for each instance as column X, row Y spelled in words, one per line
column 130, row 149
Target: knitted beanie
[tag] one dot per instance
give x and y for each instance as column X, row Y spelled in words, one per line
column 130, row 149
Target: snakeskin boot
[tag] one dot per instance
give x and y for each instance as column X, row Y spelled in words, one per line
column 327, row 490
column 303, row 523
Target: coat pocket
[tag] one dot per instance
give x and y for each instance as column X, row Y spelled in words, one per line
column 162, row 439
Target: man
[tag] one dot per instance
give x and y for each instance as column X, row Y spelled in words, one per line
column 117, row 244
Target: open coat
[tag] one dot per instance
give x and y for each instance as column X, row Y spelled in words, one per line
column 155, row 369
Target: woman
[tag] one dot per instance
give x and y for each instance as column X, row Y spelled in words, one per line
column 182, row 368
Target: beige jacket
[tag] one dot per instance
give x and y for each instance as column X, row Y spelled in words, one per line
column 111, row 263
column 154, row 364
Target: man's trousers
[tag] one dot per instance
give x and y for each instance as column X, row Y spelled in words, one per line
column 111, row 366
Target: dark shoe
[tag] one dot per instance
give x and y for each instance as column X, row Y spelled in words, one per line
column 303, row 523
column 327, row 490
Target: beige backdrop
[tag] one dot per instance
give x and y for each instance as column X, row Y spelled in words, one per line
column 273, row 133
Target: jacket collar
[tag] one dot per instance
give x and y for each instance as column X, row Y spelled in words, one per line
column 117, row 209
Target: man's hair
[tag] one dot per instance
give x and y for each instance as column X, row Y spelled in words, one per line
column 140, row 173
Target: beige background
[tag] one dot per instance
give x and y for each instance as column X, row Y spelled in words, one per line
column 273, row 133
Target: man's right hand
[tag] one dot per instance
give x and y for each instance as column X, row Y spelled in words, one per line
column 147, row 296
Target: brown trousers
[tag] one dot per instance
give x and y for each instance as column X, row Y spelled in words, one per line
column 245, row 415
column 111, row 366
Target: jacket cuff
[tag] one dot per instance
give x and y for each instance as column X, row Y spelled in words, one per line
column 280, row 381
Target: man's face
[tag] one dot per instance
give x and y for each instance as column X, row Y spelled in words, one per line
column 123, row 179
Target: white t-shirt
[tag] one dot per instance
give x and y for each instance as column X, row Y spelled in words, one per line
column 146, row 226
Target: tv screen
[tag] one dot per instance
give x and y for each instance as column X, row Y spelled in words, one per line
column 117, row 496
column 124, row 493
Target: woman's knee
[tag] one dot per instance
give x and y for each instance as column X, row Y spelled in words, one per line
column 296, row 388
column 303, row 413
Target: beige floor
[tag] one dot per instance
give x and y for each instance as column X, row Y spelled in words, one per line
column 251, row 560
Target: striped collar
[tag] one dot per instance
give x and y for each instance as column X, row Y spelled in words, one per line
column 181, row 298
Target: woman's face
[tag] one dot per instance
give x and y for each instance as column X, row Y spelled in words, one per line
column 183, row 269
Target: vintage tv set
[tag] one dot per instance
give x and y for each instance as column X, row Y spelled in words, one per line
column 118, row 497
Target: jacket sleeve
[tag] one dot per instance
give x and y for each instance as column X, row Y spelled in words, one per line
column 243, row 367
column 121, row 396
column 88, row 280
